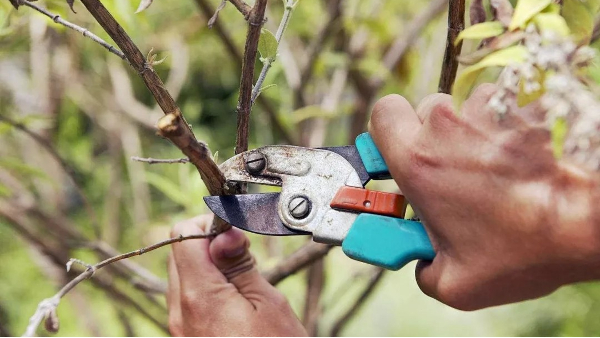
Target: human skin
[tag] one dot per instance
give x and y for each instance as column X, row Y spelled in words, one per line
column 508, row 221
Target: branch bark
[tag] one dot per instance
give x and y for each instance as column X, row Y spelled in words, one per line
column 341, row 323
column 255, row 22
column 300, row 259
column 456, row 23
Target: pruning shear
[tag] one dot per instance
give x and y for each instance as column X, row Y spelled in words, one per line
column 323, row 195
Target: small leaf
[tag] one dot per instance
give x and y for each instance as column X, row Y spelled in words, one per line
column 579, row 16
column 464, row 82
column 500, row 42
column 551, row 22
column 503, row 11
column 216, row 156
column 481, row 31
column 143, row 5
column 559, row 133
column 308, row 112
column 267, row 45
column 476, row 12
column 525, row 10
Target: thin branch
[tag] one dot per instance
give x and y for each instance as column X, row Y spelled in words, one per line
column 47, row 307
column 173, row 125
column 341, row 323
column 243, row 7
column 151, row 160
column 300, row 259
column 283, row 131
column 285, row 19
column 56, row 18
column 215, row 16
column 255, row 22
column 312, row 305
column 66, row 167
column 456, row 23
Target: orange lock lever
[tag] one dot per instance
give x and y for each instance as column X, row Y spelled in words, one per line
column 369, row 201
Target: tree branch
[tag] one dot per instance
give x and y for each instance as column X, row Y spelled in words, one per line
column 456, row 23
column 243, row 7
column 46, row 309
column 341, row 323
column 300, row 259
column 173, row 125
column 56, row 18
column 255, row 22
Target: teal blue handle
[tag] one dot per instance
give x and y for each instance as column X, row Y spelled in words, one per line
column 386, row 241
column 371, row 157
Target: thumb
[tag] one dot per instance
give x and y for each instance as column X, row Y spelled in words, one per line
column 230, row 254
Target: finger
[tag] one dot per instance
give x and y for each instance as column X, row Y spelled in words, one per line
column 428, row 275
column 433, row 102
column 230, row 253
column 195, row 269
column 394, row 127
column 173, row 299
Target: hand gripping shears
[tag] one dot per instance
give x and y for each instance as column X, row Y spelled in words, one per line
column 323, row 195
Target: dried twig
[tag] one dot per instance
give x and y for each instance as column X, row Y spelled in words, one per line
column 285, row 19
column 151, row 160
column 215, row 16
column 255, row 22
column 56, row 18
column 47, row 308
column 300, row 259
column 242, row 6
column 341, row 323
column 456, row 23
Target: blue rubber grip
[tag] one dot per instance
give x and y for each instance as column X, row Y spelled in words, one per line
column 386, row 241
column 371, row 157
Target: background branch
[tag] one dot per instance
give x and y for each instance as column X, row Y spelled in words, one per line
column 300, row 259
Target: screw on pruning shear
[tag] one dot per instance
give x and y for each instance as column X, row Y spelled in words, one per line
column 323, row 195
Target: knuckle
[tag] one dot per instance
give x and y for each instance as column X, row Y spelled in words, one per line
column 175, row 327
column 189, row 299
column 280, row 301
column 456, row 295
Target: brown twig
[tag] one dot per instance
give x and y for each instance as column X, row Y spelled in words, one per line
column 56, row 18
column 456, row 23
column 341, row 323
column 255, row 22
column 173, row 125
column 243, row 7
column 47, row 307
column 151, row 160
column 300, row 259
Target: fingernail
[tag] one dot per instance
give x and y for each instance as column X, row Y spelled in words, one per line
column 232, row 253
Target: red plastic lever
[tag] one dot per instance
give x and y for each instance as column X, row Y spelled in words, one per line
column 369, row 201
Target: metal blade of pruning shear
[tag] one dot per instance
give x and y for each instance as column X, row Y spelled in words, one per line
column 256, row 213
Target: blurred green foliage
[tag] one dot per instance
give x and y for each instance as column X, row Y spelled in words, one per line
column 59, row 84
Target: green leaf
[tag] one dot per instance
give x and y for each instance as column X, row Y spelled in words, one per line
column 579, row 16
column 169, row 188
column 551, row 22
column 18, row 167
column 263, row 88
column 464, row 82
column 267, row 45
column 559, row 133
column 525, row 10
column 308, row 112
column 481, row 31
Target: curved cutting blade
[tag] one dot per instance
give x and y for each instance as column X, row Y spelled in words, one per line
column 350, row 154
column 251, row 212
